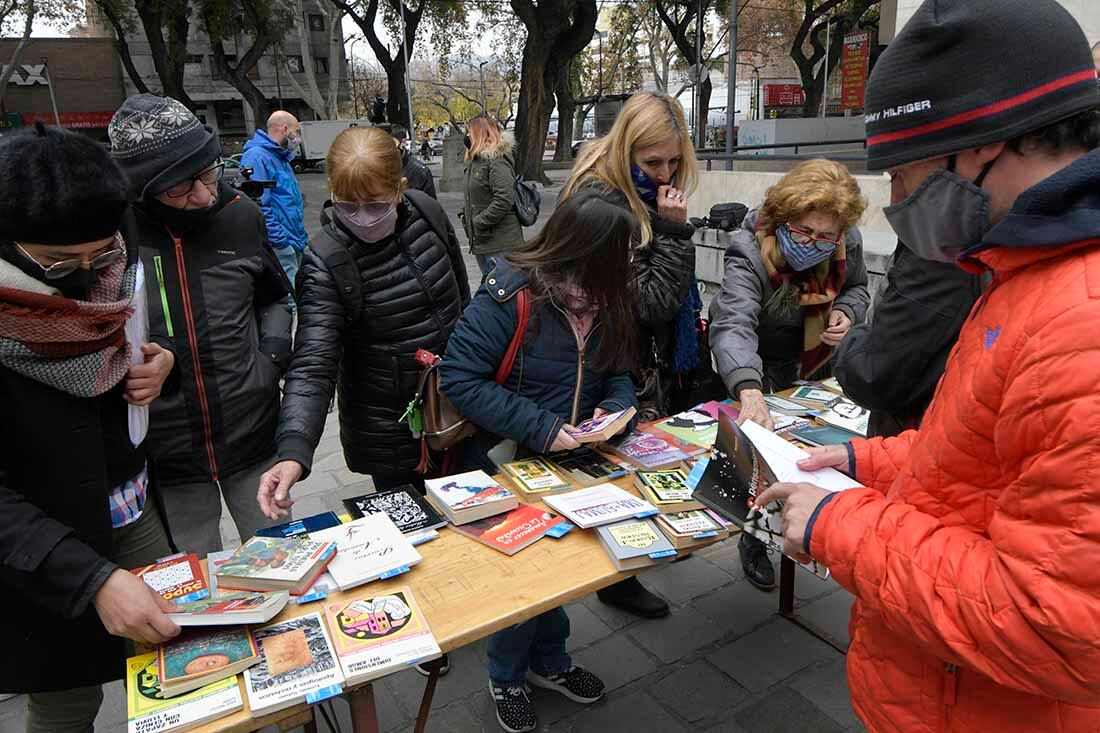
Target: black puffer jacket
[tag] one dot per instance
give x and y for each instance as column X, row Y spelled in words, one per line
column 414, row 289
column 418, row 174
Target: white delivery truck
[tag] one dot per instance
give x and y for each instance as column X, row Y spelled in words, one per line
column 317, row 137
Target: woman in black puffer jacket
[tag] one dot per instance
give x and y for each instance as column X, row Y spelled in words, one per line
column 414, row 288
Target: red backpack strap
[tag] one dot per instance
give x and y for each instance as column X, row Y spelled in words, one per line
column 523, row 314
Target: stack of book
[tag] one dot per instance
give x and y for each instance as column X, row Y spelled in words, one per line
column 667, row 490
column 600, row 504
column 178, row 578
column 231, row 608
column 634, row 544
column 272, row 564
column 468, row 497
column 147, row 708
column 603, row 428
column 535, row 476
column 199, row 657
column 586, row 467
column 687, row 530
column 416, row 519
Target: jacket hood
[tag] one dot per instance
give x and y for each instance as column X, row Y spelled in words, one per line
column 1060, row 210
column 502, row 148
column 261, row 140
column 504, row 280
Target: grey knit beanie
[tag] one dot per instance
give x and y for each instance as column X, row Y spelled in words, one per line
column 158, row 143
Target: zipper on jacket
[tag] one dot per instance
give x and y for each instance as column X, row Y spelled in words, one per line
column 951, row 684
column 582, row 344
column 163, row 297
column 193, row 340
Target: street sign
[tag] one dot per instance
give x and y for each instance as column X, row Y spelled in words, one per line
column 784, row 95
column 853, row 69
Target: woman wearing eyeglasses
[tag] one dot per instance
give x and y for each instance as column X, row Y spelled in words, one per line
column 794, row 285
column 217, row 289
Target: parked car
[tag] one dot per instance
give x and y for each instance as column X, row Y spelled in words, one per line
column 232, row 174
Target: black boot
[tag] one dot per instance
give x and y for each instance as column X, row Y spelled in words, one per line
column 756, row 563
column 631, row 596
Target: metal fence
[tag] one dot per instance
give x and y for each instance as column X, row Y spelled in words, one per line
column 745, row 154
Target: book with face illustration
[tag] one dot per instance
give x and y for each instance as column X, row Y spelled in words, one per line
column 147, row 708
column 297, row 661
column 199, row 656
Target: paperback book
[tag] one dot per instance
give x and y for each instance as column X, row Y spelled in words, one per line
column 301, row 527
column 647, row 450
column 788, row 407
column 404, row 505
column 231, row 609
column 603, row 428
column 275, row 563
column 534, row 476
column 847, row 416
column 585, row 467
column 149, row 711
column 467, row 497
column 297, row 664
column 368, row 548
column 686, row 530
column 375, row 635
column 668, row 490
column 198, row 657
column 214, row 561
column 600, row 504
column 697, row 426
column 813, row 396
column 512, row 531
column 635, row 543
column 821, row 435
column 178, row 579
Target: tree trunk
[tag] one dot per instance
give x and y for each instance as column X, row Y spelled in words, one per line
column 168, row 58
column 397, row 103
column 335, row 59
column 312, row 93
column 5, row 76
column 580, row 114
column 563, row 151
column 703, row 111
column 238, row 77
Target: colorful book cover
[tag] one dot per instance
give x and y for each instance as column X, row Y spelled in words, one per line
column 647, row 450
column 404, row 505
column 667, row 487
column 698, row 426
column 376, row 634
column 273, row 558
column 201, row 651
column 535, row 475
column 147, row 709
column 296, row 659
column 600, row 428
column 512, row 531
column 467, row 490
column 178, row 579
column 600, row 504
column 821, row 435
column 367, row 549
column 586, row 466
column 301, row 527
column 226, row 608
column 690, row 523
column 214, row 561
column 635, row 538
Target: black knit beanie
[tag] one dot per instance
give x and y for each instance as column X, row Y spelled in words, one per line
column 158, row 143
column 966, row 73
column 58, row 187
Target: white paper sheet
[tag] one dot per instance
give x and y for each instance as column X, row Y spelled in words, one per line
column 782, row 456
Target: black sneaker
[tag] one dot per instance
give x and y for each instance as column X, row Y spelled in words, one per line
column 579, row 685
column 755, row 562
column 515, row 713
column 444, row 667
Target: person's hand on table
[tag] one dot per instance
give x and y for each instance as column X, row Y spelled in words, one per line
column 131, row 609
column 799, row 502
column 564, row 441
column 144, row 381
column 827, row 456
column 274, row 493
column 753, row 407
column 839, row 325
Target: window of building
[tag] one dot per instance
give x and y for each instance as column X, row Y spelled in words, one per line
column 320, row 64
column 295, row 64
column 316, row 22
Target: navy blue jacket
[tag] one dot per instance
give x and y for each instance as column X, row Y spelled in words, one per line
column 541, row 394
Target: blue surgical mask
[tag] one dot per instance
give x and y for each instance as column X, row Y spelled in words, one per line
column 647, row 189
column 802, row 257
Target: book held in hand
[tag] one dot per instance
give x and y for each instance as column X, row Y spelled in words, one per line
column 198, row 657
column 468, row 497
column 534, row 476
column 586, row 467
column 368, row 548
column 297, row 664
column 512, row 531
column 178, row 579
column 227, row 609
column 148, row 710
column 668, row 490
column 600, row 504
column 301, row 527
column 603, row 428
column 403, row 504
column 375, row 635
column 273, row 563
column 635, row 543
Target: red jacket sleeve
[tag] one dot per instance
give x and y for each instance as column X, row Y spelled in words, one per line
column 878, row 460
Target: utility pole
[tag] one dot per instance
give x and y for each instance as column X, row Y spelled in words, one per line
column 408, row 76
column 484, row 97
column 49, row 83
column 731, row 83
column 354, row 82
column 828, row 43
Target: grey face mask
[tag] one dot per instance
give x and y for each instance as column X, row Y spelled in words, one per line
column 945, row 216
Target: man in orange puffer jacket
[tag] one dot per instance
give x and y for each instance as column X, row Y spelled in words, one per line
column 974, row 551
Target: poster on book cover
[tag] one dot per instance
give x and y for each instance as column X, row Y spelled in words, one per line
column 853, row 69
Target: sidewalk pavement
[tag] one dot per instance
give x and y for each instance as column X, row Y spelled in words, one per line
column 722, row 662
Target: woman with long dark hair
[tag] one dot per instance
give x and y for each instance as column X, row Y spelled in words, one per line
column 573, row 364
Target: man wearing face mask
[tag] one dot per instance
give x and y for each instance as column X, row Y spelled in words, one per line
column 269, row 155
column 217, row 290
column 973, row 551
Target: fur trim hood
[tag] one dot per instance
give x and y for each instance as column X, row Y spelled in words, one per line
column 501, row 149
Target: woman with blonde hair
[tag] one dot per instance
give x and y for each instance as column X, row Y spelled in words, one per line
column 794, row 285
column 646, row 163
column 394, row 250
column 492, row 227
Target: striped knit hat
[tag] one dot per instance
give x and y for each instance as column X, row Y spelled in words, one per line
column 966, row 73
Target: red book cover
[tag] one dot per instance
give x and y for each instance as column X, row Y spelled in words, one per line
column 512, row 531
column 178, row 578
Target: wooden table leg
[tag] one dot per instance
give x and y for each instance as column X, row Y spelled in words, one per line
column 429, row 692
column 786, row 586
column 311, row 726
column 364, row 714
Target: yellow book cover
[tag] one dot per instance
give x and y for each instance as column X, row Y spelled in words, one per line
column 143, row 696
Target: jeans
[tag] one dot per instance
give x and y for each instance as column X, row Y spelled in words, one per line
column 485, row 263
column 195, row 510
column 538, row 645
column 291, row 260
column 139, row 543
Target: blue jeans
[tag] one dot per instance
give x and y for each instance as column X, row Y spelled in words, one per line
column 538, row 645
column 485, row 263
column 291, row 260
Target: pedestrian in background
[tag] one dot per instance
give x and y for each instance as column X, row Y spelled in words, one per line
column 79, row 364
column 488, row 213
column 269, row 155
column 217, row 290
column 794, row 284
column 416, row 173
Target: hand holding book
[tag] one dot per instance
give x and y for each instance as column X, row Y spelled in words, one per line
column 131, row 609
column 799, row 502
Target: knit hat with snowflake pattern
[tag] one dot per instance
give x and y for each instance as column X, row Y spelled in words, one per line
column 158, row 143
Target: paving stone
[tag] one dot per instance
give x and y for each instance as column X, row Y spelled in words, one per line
column 738, row 608
column 318, row 483
column 346, row 477
column 680, row 582
column 785, row 711
column 770, row 654
column 808, row 587
column 698, row 692
column 455, row 718
column 637, row 713
column 830, row 615
column 390, row 715
column 307, row 506
column 467, row 675
column 112, row 713
column 679, row 634
column 331, row 462
column 616, row 661
column 726, row 726
column 724, row 556
column 610, row 615
column 826, row 686
column 585, row 627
